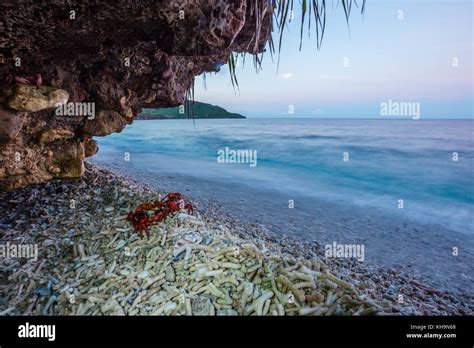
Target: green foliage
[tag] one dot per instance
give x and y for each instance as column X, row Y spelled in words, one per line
column 200, row 110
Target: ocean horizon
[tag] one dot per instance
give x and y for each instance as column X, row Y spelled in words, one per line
column 290, row 158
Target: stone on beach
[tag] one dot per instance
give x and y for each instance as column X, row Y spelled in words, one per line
column 91, row 263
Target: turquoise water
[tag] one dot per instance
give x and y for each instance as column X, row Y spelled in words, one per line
column 388, row 160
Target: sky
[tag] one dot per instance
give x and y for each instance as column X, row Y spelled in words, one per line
column 406, row 51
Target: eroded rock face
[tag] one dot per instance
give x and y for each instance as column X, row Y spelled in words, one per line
column 11, row 123
column 118, row 56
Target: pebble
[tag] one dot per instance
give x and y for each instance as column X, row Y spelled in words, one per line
column 143, row 274
column 207, row 281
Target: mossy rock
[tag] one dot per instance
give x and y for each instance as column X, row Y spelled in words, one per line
column 33, row 99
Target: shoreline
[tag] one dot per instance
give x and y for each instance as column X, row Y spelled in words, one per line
column 390, row 241
column 91, row 249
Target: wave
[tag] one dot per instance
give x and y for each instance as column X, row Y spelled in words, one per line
column 382, row 168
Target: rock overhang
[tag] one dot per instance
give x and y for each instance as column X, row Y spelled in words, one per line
column 120, row 56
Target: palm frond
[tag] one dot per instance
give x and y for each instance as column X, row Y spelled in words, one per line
column 281, row 14
column 232, row 71
column 189, row 102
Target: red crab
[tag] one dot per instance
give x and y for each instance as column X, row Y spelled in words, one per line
column 36, row 79
column 148, row 214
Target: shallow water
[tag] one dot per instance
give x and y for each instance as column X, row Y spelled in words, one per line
column 400, row 167
column 347, row 202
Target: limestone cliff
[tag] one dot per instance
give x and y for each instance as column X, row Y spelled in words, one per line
column 116, row 56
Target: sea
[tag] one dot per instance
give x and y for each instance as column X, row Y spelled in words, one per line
column 421, row 170
column 404, row 189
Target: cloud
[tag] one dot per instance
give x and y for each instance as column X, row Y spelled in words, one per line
column 285, row 76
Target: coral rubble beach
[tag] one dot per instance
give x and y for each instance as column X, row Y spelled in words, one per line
column 91, row 263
